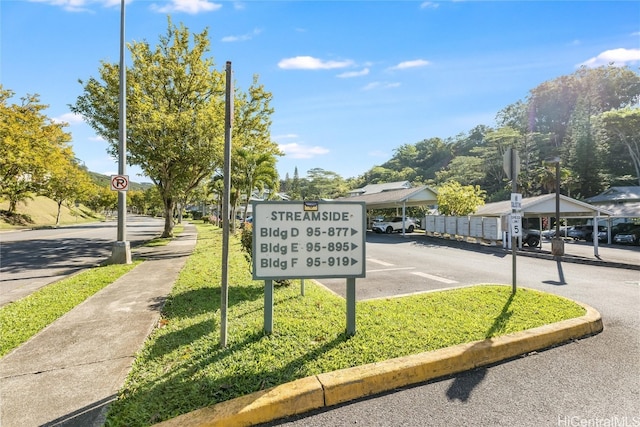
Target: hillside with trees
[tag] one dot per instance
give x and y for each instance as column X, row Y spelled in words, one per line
column 589, row 121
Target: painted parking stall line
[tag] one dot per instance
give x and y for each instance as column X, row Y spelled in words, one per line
column 390, row 269
column 377, row 261
column 436, row 278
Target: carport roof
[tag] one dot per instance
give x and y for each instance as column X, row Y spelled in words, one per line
column 418, row 196
column 544, row 205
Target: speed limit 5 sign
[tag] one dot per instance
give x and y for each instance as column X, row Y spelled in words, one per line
column 516, row 225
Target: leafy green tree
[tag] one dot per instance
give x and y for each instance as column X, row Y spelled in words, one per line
column 619, row 132
column 31, row 143
column 458, row 200
column 175, row 103
column 253, row 171
column 466, row 169
column 102, row 199
column 295, row 192
column 323, row 184
column 68, row 182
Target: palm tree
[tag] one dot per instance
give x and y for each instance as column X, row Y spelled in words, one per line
column 253, row 171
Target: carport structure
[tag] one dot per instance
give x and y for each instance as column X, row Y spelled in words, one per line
column 545, row 206
column 403, row 198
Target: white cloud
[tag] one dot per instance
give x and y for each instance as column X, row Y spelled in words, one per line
column 411, row 64
column 97, row 138
column 429, row 5
column 243, row 37
column 311, row 63
column 381, row 85
column 187, row 6
column 285, row 136
column 618, row 57
column 81, row 5
column 297, row 151
column 350, row 74
column 69, row 118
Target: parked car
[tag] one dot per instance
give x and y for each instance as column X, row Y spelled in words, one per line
column 549, row 234
column 584, row 232
column 632, row 236
column 391, row 225
column 622, row 227
column 531, row 237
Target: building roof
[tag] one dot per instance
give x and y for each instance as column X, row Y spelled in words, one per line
column 617, row 195
column 544, row 205
column 379, row 188
column 622, row 210
column 418, row 196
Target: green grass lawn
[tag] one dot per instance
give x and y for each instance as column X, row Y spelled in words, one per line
column 182, row 367
column 22, row 319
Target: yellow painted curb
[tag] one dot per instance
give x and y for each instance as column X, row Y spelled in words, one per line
column 352, row 383
column 344, row 385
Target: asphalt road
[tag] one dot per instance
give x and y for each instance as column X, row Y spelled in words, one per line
column 31, row 259
column 591, row 382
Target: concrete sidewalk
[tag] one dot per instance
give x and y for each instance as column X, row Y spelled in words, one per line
column 69, row 372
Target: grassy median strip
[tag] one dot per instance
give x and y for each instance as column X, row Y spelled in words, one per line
column 182, row 367
column 22, row 319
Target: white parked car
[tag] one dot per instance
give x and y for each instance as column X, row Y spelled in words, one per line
column 390, row 225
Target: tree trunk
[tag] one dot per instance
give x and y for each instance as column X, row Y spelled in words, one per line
column 168, row 217
column 58, row 215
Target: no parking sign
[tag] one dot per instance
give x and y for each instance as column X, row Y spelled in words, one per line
column 119, row 182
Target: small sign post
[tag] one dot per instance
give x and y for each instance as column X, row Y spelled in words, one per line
column 511, row 166
column 297, row 240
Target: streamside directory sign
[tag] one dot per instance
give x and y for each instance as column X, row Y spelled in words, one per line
column 296, row 240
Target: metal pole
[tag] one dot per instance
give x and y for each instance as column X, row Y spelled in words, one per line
column 514, row 240
column 351, row 306
column 224, row 284
column 557, row 243
column 121, row 252
column 268, row 307
column 558, row 198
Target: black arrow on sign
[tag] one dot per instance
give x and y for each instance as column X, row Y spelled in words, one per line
column 353, row 231
column 353, row 246
column 353, row 261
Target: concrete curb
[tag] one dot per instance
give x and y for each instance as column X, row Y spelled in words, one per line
column 344, row 385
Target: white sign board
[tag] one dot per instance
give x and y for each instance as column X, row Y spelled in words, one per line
column 295, row 240
column 120, row 182
column 516, row 201
column 516, row 225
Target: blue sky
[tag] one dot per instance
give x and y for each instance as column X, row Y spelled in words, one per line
column 351, row 80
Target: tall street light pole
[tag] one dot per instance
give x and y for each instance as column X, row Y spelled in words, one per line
column 121, row 253
column 557, row 244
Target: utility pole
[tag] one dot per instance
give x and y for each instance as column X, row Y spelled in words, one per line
column 224, row 285
column 514, row 239
column 121, row 252
column 557, row 244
